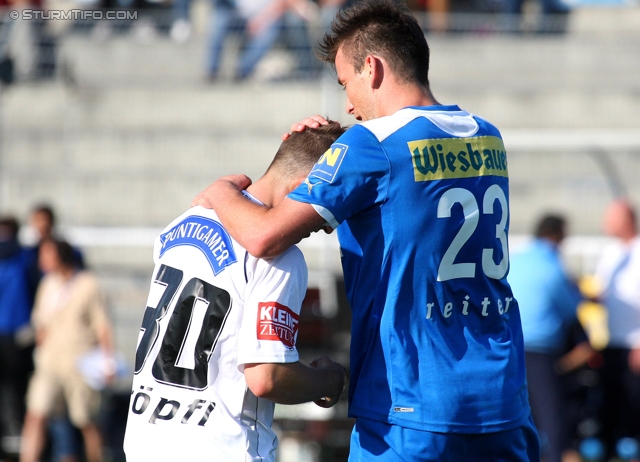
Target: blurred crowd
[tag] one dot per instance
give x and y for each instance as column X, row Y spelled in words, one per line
column 584, row 393
column 29, row 47
column 56, row 346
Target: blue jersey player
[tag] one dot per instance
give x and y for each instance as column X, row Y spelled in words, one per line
column 419, row 194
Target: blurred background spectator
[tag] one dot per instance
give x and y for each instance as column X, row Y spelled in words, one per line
column 548, row 299
column 16, row 337
column 42, row 227
column 619, row 275
column 64, row 438
column 27, row 44
column 70, row 321
column 437, row 13
column 552, row 17
column 181, row 22
column 260, row 23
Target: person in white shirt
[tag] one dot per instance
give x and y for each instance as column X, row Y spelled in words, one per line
column 618, row 272
column 217, row 346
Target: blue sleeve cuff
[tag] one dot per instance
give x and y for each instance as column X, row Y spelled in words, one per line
column 327, row 215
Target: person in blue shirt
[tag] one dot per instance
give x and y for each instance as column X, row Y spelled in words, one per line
column 547, row 295
column 16, row 337
column 548, row 300
column 419, row 194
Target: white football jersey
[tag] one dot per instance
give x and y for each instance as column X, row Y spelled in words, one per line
column 212, row 308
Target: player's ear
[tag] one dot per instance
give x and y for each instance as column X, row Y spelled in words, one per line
column 375, row 69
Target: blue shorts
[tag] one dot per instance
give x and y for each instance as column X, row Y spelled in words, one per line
column 378, row 441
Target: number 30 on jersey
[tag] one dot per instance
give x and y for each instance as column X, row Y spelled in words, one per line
column 198, row 315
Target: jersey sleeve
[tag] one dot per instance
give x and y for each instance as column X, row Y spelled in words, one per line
column 269, row 327
column 350, row 177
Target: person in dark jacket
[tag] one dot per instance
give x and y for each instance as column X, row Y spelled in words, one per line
column 16, row 340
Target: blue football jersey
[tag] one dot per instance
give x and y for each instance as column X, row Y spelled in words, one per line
column 422, row 201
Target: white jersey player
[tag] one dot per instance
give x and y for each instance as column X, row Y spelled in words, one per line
column 217, row 346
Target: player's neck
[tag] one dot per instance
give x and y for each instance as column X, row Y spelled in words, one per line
column 629, row 235
column 399, row 96
column 66, row 272
column 268, row 190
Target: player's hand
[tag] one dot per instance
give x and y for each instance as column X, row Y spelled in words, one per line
column 234, row 182
column 311, row 122
column 335, row 373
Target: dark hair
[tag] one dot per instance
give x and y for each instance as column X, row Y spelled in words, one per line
column 383, row 28
column 9, row 228
column 630, row 210
column 551, row 226
column 65, row 252
column 299, row 153
column 46, row 210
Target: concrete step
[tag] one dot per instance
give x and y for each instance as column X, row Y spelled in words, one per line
column 131, row 133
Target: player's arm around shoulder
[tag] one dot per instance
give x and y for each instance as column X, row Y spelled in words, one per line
column 294, row 383
column 281, row 227
column 264, row 232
